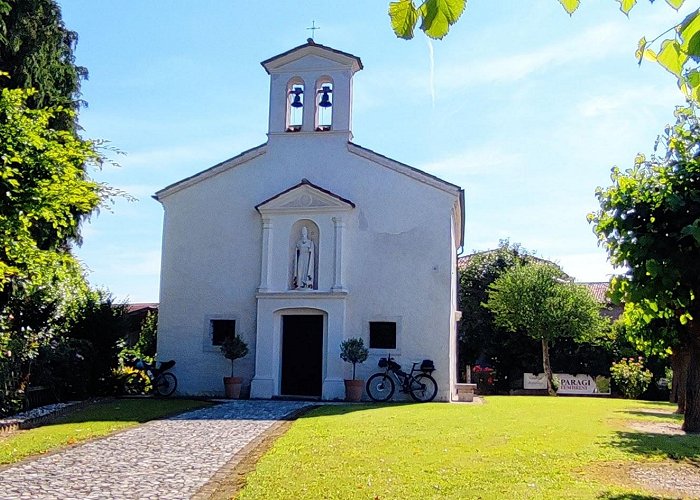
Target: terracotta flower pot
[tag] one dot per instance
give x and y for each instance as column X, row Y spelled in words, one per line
column 353, row 390
column 232, row 387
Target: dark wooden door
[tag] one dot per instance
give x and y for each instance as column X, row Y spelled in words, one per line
column 302, row 355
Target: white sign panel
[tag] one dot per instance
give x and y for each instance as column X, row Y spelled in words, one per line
column 569, row 384
column 532, row 381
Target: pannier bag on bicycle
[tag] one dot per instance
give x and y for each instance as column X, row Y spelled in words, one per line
column 427, row 366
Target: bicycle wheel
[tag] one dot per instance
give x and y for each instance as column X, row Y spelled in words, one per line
column 423, row 388
column 165, row 384
column 380, row 387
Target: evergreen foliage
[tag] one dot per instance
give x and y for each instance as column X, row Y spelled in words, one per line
column 353, row 351
column 146, row 345
column 234, row 347
column 36, row 50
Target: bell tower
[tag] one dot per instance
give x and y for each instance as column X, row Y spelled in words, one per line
column 311, row 90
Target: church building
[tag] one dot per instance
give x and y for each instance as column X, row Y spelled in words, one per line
column 304, row 241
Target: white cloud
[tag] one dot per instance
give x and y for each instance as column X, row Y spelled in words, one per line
column 620, row 102
column 587, row 266
column 595, row 43
column 485, row 158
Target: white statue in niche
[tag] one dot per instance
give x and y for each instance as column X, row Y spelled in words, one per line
column 304, row 264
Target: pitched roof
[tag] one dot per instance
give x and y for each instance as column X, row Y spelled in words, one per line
column 288, row 56
column 139, row 306
column 464, row 260
column 599, row 290
column 305, row 182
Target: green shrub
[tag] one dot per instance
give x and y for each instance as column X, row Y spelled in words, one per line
column 353, row 351
column 630, row 376
column 234, row 348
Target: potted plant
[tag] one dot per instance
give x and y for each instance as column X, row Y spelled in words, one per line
column 233, row 348
column 353, row 351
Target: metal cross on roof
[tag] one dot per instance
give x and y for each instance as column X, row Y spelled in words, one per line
column 313, row 29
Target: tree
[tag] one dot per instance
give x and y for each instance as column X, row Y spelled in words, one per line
column 535, row 299
column 36, row 50
column 44, row 187
column 678, row 55
column 146, row 345
column 660, row 338
column 649, row 223
column 45, row 194
column 479, row 338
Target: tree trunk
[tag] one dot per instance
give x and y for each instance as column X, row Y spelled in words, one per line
column 679, row 364
column 692, row 390
column 547, row 368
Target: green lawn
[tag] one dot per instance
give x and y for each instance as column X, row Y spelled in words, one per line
column 93, row 421
column 510, row 447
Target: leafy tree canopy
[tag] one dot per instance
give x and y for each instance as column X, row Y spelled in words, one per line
column 537, row 300
column 649, row 223
column 44, row 186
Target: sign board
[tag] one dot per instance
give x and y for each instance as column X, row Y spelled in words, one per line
column 569, row 384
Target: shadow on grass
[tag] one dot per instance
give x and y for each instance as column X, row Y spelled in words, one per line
column 659, row 445
column 659, row 414
column 127, row 410
column 627, row 496
column 142, row 410
column 326, row 410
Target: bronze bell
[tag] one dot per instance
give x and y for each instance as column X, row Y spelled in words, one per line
column 325, row 97
column 296, row 103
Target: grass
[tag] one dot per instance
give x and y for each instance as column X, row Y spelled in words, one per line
column 90, row 422
column 510, row 447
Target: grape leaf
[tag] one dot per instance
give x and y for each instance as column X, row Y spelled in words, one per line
column 570, row 6
column 439, row 15
column 626, row 5
column 676, row 4
column 671, row 57
column 639, row 53
column 404, row 17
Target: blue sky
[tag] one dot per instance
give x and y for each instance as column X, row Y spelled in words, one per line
column 524, row 107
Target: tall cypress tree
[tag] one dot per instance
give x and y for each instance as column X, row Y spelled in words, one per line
column 36, row 50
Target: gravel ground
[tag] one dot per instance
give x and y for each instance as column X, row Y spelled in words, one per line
column 673, row 478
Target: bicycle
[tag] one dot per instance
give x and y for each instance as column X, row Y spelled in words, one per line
column 163, row 383
column 422, row 387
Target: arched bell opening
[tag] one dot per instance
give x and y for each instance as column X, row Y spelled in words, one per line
column 295, row 105
column 324, row 104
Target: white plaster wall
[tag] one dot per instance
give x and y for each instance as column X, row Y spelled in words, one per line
column 398, row 257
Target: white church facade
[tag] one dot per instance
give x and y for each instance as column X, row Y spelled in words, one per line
column 305, row 241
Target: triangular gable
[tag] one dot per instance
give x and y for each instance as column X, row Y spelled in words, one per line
column 304, row 197
column 240, row 159
column 420, row 176
column 286, row 59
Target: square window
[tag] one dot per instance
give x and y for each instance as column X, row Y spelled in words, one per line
column 221, row 329
column 382, row 335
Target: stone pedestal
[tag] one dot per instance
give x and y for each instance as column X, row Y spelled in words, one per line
column 465, row 392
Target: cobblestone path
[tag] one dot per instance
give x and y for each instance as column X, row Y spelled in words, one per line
column 164, row 459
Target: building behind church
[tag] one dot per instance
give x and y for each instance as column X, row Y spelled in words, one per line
column 304, row 241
